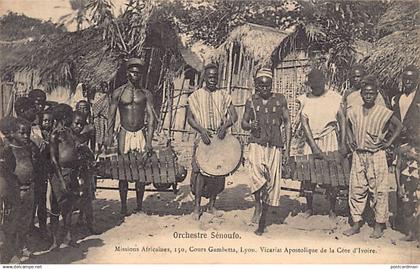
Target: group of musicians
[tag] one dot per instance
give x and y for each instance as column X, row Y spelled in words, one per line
column 358, row 124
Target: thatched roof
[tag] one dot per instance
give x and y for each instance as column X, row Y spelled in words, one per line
column 399, row 16
column 81, row 56
column 257, row 41
column 391, row 54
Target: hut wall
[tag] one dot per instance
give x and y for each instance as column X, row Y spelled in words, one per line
column 5, row 95
column 289, row 77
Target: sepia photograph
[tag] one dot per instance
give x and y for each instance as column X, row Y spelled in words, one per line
column 209, row 132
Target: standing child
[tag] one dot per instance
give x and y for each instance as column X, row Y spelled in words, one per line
column 24, row 155
column 9, row 193
column 65, row 185
column 86, row 160
column 369, row 124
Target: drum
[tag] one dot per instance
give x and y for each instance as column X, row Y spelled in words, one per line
column 221, row 158
column 334, row 170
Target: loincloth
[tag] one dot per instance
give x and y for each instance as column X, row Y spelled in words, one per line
column 135, row 141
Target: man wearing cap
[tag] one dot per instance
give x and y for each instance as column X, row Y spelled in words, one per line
column 321, row 119
column 265, row 113
column 210, row 112
column 406, row 106
column 134, row 104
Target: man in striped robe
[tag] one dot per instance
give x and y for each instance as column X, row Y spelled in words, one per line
column 322, row 118
column 265, row 113
column 210, row 112
column 369, row 124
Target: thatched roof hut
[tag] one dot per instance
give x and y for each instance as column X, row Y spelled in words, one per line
column 82, row 56
column 257, row 42
column 397, row 49
column 399, row 16
column 391, row 54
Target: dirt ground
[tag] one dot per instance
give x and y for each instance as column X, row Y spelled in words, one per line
column 153, row 237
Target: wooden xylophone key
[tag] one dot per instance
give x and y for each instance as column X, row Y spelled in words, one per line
column 326, row 179
column 125, row 161
column 318, row 169
column 299, row 167
column 114, row 167
column 312, row 168
column 340, row 171
column 332, row 168
column 156, row 169
column 306, row 169
column 133, row 166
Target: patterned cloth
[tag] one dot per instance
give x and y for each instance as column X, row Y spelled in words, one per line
column 210, row 109
column 369, row 174
column 265, row 170
column 100, row 109
column 368, row 130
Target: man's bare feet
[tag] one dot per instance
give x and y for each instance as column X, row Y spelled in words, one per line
column 308, row 213
column 377, row 233
column 409, row 237
column 195, row 215
column 355, row 229
column 124, row 212
column 215, row 212
column 258, row 232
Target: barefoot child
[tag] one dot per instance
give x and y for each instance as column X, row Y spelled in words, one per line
column 368, row 125
column 86, row 159
column 265, row 113
column 65, row 185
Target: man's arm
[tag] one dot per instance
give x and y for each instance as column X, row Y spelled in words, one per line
column 111, row 115
column 246, row 118
column 54, row 159
column 287, row 128
column 233, row 117
column 151, row 120
column 205, row 134
column 309, row 136
column 397, row 127
column 341, row 119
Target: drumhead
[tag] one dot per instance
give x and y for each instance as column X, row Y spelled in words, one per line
column 222, row 157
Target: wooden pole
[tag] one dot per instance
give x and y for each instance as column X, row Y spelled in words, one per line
column 229, row 81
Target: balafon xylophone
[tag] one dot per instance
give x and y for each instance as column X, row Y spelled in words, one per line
column 161, row 168
column 334, row 170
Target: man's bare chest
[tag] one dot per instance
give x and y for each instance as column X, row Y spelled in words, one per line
column 133, row 97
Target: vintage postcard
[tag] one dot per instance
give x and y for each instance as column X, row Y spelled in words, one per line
column 210, row 132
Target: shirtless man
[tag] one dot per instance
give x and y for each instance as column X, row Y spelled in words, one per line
column 89, row 129
column 65, row 185
column 133, row 103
